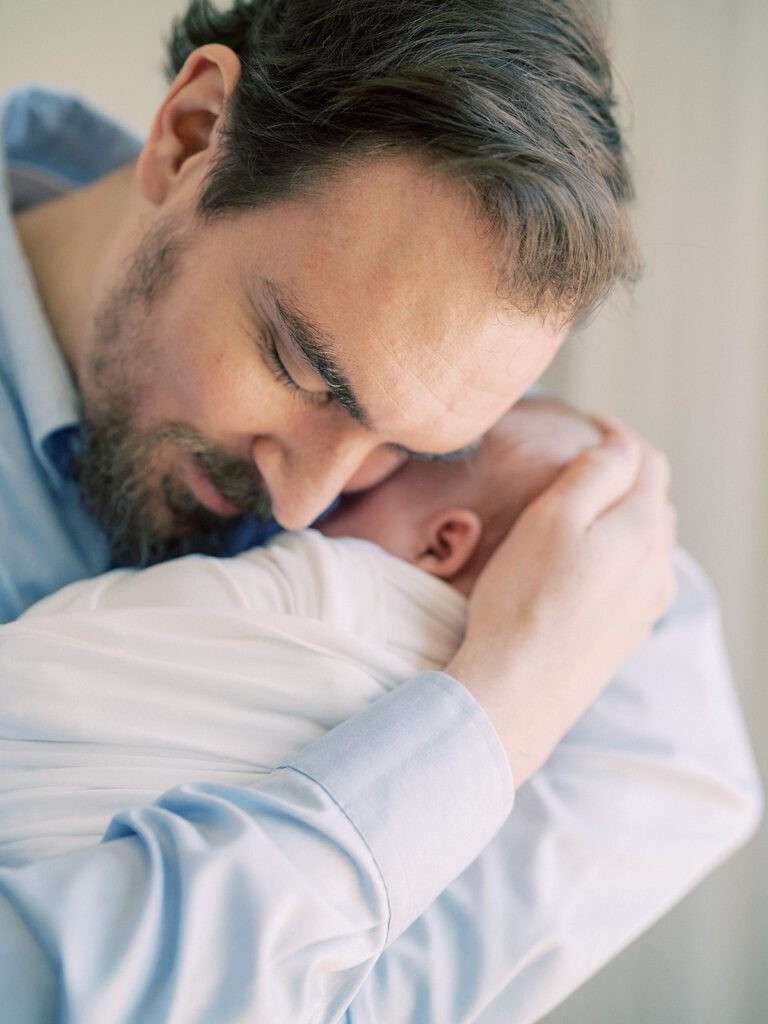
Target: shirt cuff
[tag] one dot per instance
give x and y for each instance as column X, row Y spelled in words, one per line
column 423, row 777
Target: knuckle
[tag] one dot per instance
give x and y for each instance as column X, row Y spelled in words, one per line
column 601, row 462
column 659, row 465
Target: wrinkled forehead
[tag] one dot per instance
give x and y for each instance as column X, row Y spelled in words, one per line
column 393, row 265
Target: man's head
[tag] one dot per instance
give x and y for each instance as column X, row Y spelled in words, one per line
column 448, row 518
column 357, row 233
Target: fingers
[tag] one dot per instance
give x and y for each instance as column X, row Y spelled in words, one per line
column 646, row 519
column 648, row 498
column 647, row 501
column 594, row 481
column 606, row 423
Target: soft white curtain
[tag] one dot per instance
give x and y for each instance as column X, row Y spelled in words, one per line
column 685, row 359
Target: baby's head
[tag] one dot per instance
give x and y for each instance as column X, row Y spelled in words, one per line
column 449, row 517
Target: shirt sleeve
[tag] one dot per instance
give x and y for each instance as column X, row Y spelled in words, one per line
column 378, row 877
column 652, row 789
column 268, row 903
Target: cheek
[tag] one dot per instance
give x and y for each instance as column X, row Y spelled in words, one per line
column 204, row 376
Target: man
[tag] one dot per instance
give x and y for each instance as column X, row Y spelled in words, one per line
column 354, row 235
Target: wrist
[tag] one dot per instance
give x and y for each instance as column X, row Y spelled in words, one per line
column 514, row 713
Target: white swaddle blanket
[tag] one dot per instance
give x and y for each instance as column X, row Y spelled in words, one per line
column 200, row 670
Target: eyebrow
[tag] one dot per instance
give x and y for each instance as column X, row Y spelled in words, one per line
column 316, row 346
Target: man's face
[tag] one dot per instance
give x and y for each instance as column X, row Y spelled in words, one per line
column 266, row 361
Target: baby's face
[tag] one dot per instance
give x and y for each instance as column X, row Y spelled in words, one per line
column 518, row 459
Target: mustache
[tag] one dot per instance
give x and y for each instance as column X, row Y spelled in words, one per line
column 111, row 473
column 237, row 481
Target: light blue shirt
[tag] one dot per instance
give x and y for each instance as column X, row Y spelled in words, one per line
column 383, row 874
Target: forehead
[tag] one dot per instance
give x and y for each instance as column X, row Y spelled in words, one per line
column 392, row 263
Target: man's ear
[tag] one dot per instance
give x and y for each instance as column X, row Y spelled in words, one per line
column 450, row 539
column 186, row 125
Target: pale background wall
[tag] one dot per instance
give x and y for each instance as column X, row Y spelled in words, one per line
column 684, row 359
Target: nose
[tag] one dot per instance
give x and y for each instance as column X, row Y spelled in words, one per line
column 305, row 475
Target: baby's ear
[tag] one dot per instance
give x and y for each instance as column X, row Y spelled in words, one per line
column 449, row 541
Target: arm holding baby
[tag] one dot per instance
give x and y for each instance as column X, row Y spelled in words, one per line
column 555, row 605
column 590, row 560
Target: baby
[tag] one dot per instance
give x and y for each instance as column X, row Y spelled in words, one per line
column 449, row 518
column 122, row 688
column 206, row 669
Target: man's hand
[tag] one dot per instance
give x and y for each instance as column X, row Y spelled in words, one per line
column 571, row 592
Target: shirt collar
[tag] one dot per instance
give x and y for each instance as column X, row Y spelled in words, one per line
column 51, row 143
